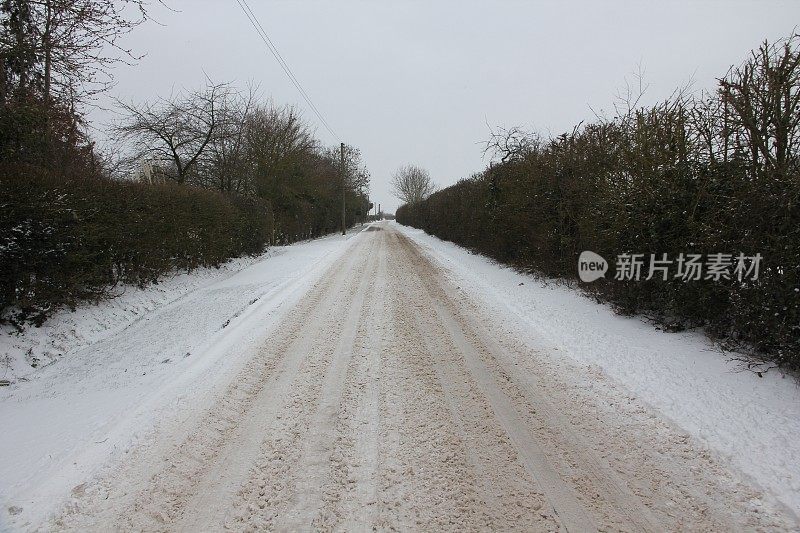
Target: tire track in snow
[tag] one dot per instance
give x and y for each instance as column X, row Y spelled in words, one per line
column 269, row 493
column 321, row 474
column 505, row 487
column 160, row 501
column 701, row 501
column 350, row 491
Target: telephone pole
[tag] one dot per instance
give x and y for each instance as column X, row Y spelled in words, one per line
column 344, row 226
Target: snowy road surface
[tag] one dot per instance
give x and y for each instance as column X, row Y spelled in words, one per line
column 382, row 395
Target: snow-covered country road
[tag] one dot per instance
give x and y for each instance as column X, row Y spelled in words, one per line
column 380, row 395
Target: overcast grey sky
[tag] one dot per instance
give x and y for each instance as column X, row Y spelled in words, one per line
column 417, row 81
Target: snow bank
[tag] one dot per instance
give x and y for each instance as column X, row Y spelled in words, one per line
column 752, row 422
column 23, row 355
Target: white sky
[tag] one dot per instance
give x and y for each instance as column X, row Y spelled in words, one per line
column 417, row 81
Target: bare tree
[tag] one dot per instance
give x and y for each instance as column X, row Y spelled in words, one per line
column 510, row 144
column 763, row 96
column 73, row 44
column 412, row 184
column 176, row 131
column 227, row 167
column 356, row 175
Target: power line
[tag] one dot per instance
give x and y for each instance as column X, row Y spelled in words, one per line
column 286, row 68
column 283, row 64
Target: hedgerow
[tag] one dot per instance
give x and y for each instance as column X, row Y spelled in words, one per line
column 63, row 241
column 716, row 174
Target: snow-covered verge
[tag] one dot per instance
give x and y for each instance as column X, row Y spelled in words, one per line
column 23, row 354
column 751, row 422
column 121, row 368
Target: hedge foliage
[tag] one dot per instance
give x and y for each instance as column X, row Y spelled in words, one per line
column 62, row 241
column 703, row 176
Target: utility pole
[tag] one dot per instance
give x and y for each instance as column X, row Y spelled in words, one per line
column 344, row 226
